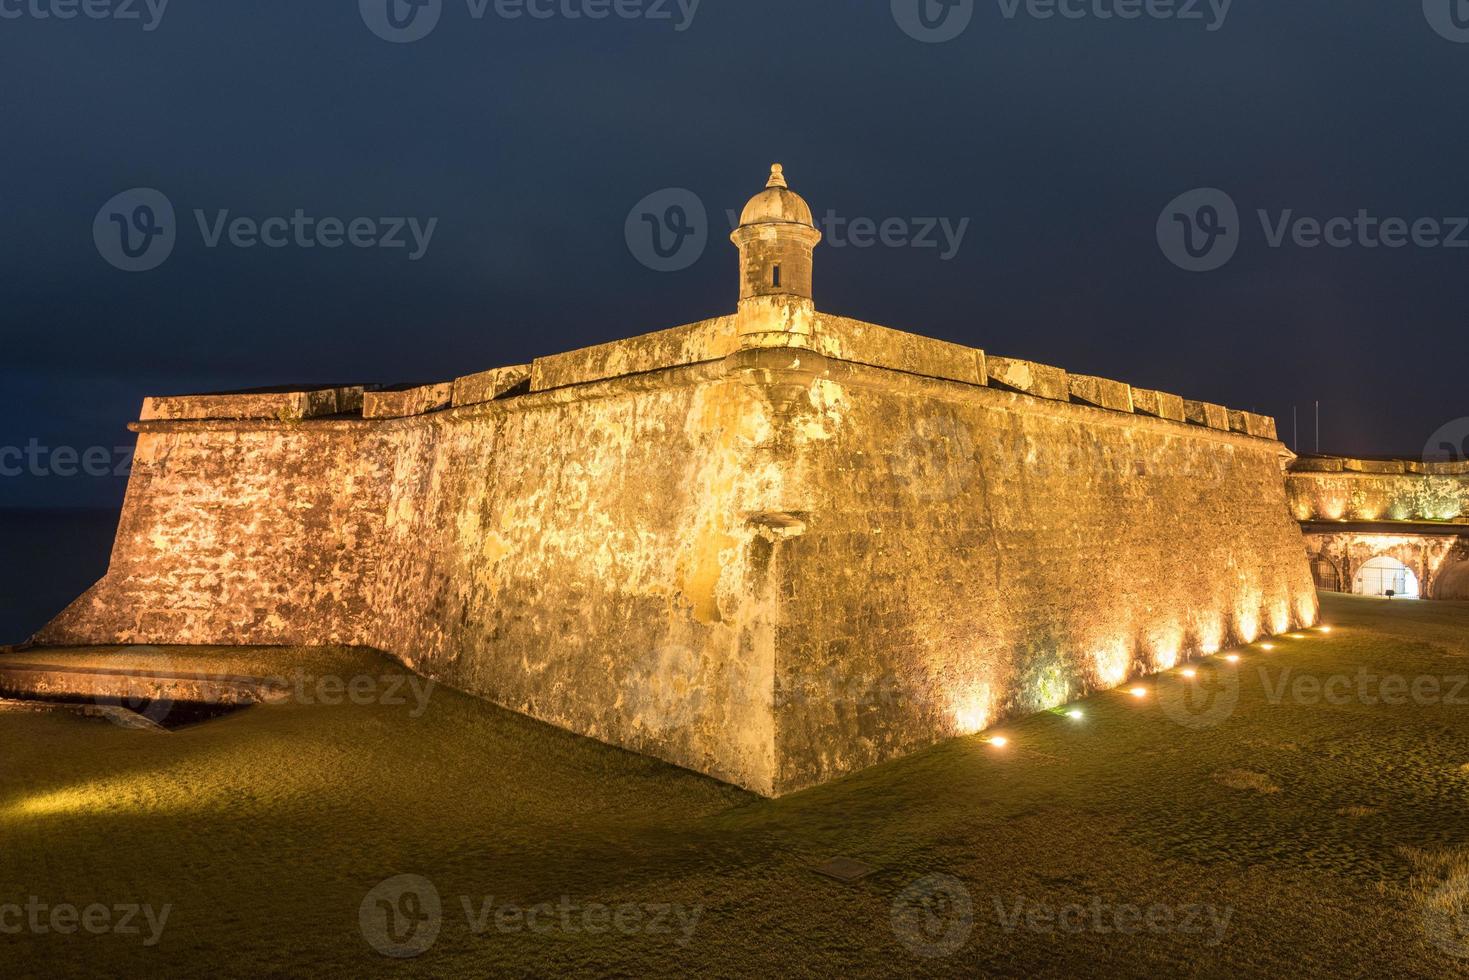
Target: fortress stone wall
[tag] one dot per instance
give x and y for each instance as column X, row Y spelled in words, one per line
column 775, row 547
column 1353, row 511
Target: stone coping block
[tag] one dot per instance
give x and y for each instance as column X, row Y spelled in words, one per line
column 1412, row 467
column 404, row 402
column 1393, row 466
column 1158, row 404
column 878, row 346
column 1318, row 464
column 692, row 343
column 1102, row 393
column 1030, row 378
column 285, row 406
column 486, row 386
column 1445, row 468
column 1206, row 413
column 1251, row 424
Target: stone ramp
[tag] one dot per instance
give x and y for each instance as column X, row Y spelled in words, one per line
column 59, row 682
column 171, row 686
column 118, row 715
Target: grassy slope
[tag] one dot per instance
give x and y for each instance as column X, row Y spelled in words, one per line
column 1320, row 826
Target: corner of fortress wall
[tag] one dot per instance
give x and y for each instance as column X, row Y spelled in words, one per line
column 774, row 547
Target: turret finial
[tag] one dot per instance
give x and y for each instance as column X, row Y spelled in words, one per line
column 777, row 176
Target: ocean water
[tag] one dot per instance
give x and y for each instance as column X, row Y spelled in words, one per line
column 47, row 559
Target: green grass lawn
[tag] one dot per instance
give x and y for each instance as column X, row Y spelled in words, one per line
column 1264, row 829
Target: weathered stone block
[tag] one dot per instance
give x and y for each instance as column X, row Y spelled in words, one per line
column 404, row 402
column 693, row 343
column 1374, row 466
column 1101, row 392
column 1159, row 404
column 486, row 386
column 1206, row 413
column 1250, row 424
column 868, row 343
column 1261, row 425
column 1028, row 377
column 266, row 404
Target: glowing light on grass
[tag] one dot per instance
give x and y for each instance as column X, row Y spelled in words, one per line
column 1324, row 629
column 999, row 741
column 1075, row 714
column 1190, row 673
column 1232, row 658
column 1139, row 692
column 1267, row 647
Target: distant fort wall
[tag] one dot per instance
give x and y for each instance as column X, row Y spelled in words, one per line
column 1357, row 511
column 775, row 563
column 1334, row 488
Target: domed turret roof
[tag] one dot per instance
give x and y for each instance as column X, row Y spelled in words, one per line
column 777, row 204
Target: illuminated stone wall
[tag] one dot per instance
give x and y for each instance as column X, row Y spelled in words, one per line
column 1334, row 488
column 972, row 554
column 773, row 549
column 586, row 556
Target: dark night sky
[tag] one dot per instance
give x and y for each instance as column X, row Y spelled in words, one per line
column 530, row 141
